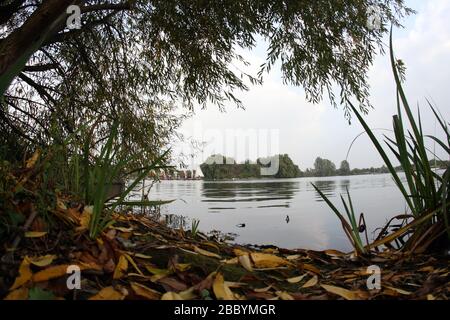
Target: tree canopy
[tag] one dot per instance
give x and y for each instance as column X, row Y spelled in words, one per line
column 136, row 60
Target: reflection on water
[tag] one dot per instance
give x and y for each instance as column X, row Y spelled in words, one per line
column 285, row 212
column 228, row 193
column 328, row 188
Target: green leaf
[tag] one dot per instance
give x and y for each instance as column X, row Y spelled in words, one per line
column 37, row 293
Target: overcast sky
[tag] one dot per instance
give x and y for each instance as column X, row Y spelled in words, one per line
column 305, row 131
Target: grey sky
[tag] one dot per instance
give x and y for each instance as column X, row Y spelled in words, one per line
column 307, row 131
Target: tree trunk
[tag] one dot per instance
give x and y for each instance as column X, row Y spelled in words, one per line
column 20, row 45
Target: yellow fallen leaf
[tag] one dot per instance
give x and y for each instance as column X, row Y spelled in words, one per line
column 18, row 294
column 24, row 276
column 430, row 297
column 130, row 260
column 145, row 292
column 344, row 293
column 221, row 290
column 182, row 266
column 271, row 250
column 206, row 253
column 311, row 268
column 265, row 260
column 210, row 244
column 157, row 271
column 90, row 266
column 121, row 267
column 334, row 253
column 260, row 290
column 284, row 295
column 245, row 261
column 123, row 229
column 234, row 260
column 60, row 205
column 85, row 217
column 296, row 279
column 188, row 294
column 35, row 234
column 140, row 255
column 42, row 261
column 232, row 284
column 51, row 273
column 171, row 296
column 293, row 257
column 239, row 252
column 311, row 282
column 404, row 292
column 108, row 293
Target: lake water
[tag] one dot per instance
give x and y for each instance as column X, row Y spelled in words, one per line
column 263, row 206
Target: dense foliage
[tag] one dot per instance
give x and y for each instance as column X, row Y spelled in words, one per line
column 133, row 61
column 218, row 167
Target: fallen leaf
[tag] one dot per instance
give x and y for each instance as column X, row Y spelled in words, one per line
column 18, row 294
column 37, row 293
column 234, row 260
column 260, row 290
column 85, row 217
column 206, row 253
column 296, row 279
column 334, row 253
column 51, row 273
column 344, row 293
column 221, row 290
column 232, row 284
column 182, row 266
column 265, row 260
column 206, row 283
column 121, row 267
column 284, row 295
column 130, row 260
column 171, row 296
column 311, row 282
column 426, row 269
column 245, row 261
column 25, row 274
column 108, row 293
column 239, row 252
column 35, row 234
column 172, row 284
column 293, row 257
column 311, row 268
column 157, row 271
column 42, row 261
column 140, row 255
column 188, row 294
column 90, row 266
column 123, row 229
column 403, row 292
column 145, row 292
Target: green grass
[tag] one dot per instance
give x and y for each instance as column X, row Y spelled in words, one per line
column 194, row 227
column 350, row 227
column 107, row 168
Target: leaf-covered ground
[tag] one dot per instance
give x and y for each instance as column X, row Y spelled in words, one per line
column 139, row 258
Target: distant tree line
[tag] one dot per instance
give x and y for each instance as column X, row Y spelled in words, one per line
column 218, row 167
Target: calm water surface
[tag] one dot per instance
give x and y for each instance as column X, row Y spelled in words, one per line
column 263, row 206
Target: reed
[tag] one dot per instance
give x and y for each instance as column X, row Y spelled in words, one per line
column 426, row 192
